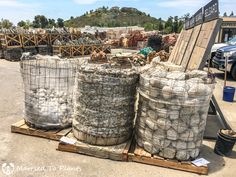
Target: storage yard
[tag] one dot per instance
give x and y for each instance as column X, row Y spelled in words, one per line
column 28, row 151
column 97, row 101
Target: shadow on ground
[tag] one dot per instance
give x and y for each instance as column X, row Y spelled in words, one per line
column 216, row 162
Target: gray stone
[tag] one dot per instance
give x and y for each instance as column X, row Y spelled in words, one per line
column 172, row 134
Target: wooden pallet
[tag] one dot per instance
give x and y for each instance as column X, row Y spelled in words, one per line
column 117, row 152
column 22, row 128
column 138, row 154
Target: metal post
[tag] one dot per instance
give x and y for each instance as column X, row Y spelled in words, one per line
column 226, row 64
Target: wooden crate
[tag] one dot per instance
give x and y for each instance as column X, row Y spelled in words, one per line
column 66, row 37
column 138, row 154
column 97, row 48
column 75, row 36
column 42, row 39
column 64, row 51
column 77, row 50
column 53, row 37
column 106, row 48
column 28, row 40
column 117, row 152
column 88, row 49
column 10, row 40
column 22, row 128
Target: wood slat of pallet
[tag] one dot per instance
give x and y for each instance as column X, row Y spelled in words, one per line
column 116, row 152
column 140, row 156
column 19, row 123
column 22, row 128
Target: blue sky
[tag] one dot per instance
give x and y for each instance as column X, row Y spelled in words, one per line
column 15, row 10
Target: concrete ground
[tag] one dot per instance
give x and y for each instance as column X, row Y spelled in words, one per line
column 227, row 108
column 36, row 157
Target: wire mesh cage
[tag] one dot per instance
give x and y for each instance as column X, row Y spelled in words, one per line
column 172, row 111
column 104, row 103
column 48, row 89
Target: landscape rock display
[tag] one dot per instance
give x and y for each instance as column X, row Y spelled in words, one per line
column 48, row 84
column 172, row 111
column 13, row 54
column 104, row 103
column 44, row 50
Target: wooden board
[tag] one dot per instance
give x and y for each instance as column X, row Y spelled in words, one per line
column 117, row 152
column 22, row 128
column 203, row 44
column 191, row 45
column 181, row 45
column 194, row 45
column 138, row 154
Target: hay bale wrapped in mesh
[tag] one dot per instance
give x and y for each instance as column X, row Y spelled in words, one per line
column 104, row 103
column 48, row 85
column 172, row 112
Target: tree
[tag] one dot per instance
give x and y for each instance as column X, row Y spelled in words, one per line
column 169, row 25
column 160, row 25
column 4, row 23
column 21, row 23
column 60, row 22
column 40, row 21
column 51, row 23
column 148, row 26
column 225, row 15
column 176, row 24
column 231, row 14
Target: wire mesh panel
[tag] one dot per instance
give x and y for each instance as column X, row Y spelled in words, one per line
column 48, row 85
column 104, row 104
column 172, row 111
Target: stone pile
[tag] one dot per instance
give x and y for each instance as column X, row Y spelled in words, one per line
column 44, row 50
column 48, row 84
column 13, row 54
column 104, row 103
column 172, row 110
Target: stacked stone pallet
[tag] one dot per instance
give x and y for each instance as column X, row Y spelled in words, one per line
column 13, row 54
column 48, row 84
column 172, row 111
column 1, row 53
column 104, row 103
column 44, row 50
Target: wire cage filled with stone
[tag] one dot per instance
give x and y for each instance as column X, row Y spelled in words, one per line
column 104, row 103
column 172, row 111
column 48, row 89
